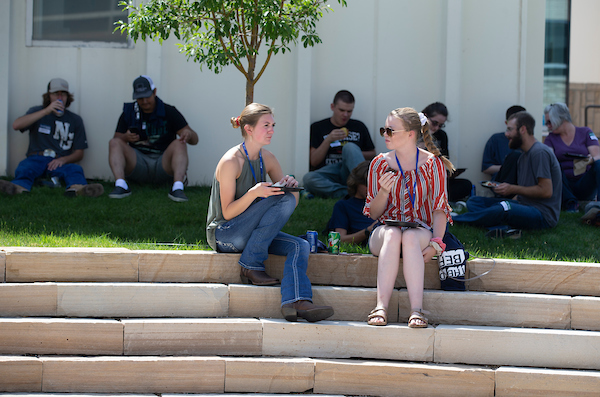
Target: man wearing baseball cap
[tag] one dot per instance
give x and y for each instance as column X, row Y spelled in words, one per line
column 150, row 143
column 56, row 143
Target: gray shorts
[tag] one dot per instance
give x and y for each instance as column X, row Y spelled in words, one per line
column 149, row 169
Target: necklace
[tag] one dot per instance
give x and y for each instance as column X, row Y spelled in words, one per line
column 410, row 194
column 249, row 163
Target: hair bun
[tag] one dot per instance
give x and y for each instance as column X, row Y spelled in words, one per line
column 235, row 122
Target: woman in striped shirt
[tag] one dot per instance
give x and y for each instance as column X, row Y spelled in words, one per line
column 406, row 184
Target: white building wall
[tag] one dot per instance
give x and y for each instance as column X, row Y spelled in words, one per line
column 479, row 57
column 585, row 46
column 4, row 84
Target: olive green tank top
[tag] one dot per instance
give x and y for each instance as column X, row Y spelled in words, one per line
column 242, row 184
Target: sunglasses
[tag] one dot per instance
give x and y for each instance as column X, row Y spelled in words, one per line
column 388, row 131
column 437, row 124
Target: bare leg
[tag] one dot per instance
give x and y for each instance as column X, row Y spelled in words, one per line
column 413, row 243
column 385, row 243
column 175, row 160
column 121, row 157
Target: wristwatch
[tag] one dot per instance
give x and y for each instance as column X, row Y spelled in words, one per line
column 367, row 233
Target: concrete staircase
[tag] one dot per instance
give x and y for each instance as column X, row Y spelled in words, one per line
column 90, row 320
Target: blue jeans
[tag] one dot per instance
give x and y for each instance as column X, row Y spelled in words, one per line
column 492, row 211
column 36, row 166
column 584, row 188
column 256, row 233
column 330, row 180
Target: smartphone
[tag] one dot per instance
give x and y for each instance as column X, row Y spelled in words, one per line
column 576, row 155
column 489, row 184
column 142, row 135
column 288, row 188
column 292, row 189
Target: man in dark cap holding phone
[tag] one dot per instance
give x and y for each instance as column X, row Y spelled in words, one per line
column 150, row 143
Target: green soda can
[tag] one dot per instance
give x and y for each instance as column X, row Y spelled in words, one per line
column 333, row 243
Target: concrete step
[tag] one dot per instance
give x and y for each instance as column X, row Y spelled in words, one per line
column 517, row 346
column 278, row 338
column 154, row 300
column 80, row 376
column 538, row 277
column 23, row 264
column 154, row 395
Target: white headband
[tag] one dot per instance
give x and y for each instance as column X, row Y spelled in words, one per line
column 423, row 119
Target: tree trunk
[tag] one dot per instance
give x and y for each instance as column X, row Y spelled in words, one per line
column 249, row 91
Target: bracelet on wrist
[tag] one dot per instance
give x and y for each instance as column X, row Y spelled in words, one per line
column 438, row 245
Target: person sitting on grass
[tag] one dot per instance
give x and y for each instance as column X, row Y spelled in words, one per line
column 537, row 192
column 56, row 144
column 150, row 143
column 406, row 184
column 347, row 218
column 246, row 214
column 580, row 175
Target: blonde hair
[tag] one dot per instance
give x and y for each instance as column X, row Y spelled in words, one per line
column 250, row 116
column 412, row 122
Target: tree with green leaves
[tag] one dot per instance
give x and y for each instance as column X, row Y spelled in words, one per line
column 217, row 33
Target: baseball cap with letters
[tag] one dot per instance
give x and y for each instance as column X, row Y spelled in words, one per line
column 143, row 87
column 58, row 84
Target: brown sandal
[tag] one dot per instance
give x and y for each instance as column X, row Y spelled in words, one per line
column 376, row 313
column 414, row 317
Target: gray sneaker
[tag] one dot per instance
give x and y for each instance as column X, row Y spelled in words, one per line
column 10, row 188
column 178, row 196
column 118, row 192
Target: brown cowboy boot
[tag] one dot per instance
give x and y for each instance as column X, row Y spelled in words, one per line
column 307, row 310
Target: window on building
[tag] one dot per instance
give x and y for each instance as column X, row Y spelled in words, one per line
column 556, row 57
column 75, row 23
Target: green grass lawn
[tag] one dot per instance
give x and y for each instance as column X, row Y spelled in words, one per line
column 149, row 220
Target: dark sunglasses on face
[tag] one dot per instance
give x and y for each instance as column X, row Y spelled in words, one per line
column 388, row 131
column 437, row 124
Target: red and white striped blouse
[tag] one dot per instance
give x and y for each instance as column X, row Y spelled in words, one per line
column 431, row 192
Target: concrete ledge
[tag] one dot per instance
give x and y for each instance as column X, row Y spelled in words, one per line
column 20, row 374
column 269, row 375
column 241, row 337
column 2, row 266
column 70, row 264
column 134, row 375
column 517, row 346
column 349, row 270
column 332, row 339
column 142, row 300
column 82, row 395
column 60, row 336
column 511, row 381
column 585, row 313
column 538, row 277
column 38, row 299
column 401, row 379
column 189, row 266
column 349, row 304
column 493, row 309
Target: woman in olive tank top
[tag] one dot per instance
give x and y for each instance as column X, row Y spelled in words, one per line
column 246, row 214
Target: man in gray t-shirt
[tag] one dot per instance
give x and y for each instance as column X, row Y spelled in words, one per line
column 56, row 144
column 538, row 188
